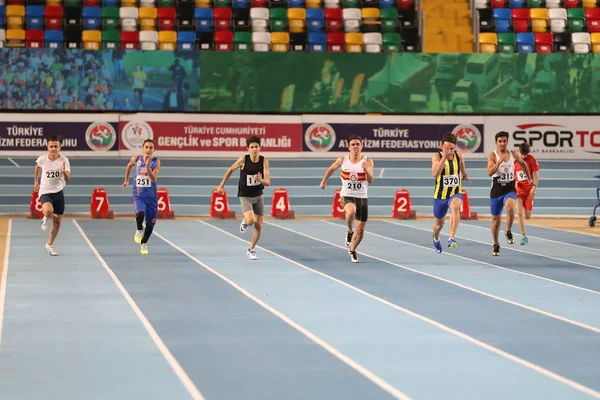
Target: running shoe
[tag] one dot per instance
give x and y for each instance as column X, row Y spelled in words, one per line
column 251, row 253
column 349, row 238
column 452, row 243
column 138, row 237
column 144, row 248
column 509, row 237
column 50, row 249
column 496, row 250
column 437, row 245
column 353, row 256
column 524, row 240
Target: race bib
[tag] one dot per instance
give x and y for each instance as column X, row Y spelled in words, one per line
column 52, row 174
column 506, row 177
column 142, row 181
column 521, row 176
column 450, row 180
column 250, row 181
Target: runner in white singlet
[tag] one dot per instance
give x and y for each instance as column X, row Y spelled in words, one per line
column 357, row 173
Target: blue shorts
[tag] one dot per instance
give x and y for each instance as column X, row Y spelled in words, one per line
column 147, row 205
column 57, row 199
column 440, row 207
column 497, row 203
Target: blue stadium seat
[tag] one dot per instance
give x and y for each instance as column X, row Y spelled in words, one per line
column 317, row 42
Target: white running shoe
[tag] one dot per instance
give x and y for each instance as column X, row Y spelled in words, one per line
column 243, row 226
column 138, row 236
column 50, row 249
column 251, row 253
column 45, row 223
column 144, row 248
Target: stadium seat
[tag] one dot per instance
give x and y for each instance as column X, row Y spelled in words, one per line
column 488, row 42
column 34, row 38
column 91, row 18
column 222, row 18
column 148, row 40
column 558, row 19
column 525, row 42
column 242, row 41
column 352, row 19
column 204, row 19
column 130, row 40
column 371, row 19
column 506, row 42
column 595, row 38
column 15, row 16
column 223, row 41
column 91, row 39
column 539, row 19
column 2, row 38
column 259, row 19
column 110, row 18
column 186, row 40
column 54, row 39
column 544, row 42
column 167, row 40
column 15, row 38
column 205, row 41
column 562, row 42
column 520, row 20
column 317, row 42
column 392, row 41
column 280, row 42
column 335, row 42
column 333, row 19
column 34, row 17
column 129, row 19
column 315, row 19
column 581, row 42
column 278, row 19
column 148, row 17
column 298, row 42
column 592, row 16
column 502, row 19
column 297, row 19
column 261, row 41
column 111, row 39
column 373, row 42
column 241, row 19
column 389, row 20
column 166, row 18
column 576, row 17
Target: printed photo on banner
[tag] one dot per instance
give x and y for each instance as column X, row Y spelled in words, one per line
column 78, row 80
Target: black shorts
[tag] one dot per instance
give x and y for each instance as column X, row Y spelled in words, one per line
column 362, row 207
column 57, row 200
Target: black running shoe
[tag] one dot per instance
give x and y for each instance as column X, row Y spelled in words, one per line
column 496, row 250
column 509, row 237
column 353, row 257
column 349, row 238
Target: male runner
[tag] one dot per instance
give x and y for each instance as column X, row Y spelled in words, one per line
column 145, row 197
column 56, row 172
column 357, row 173
column 501, row 166
column 525, row 190
column 254, row 177
column 448, row 168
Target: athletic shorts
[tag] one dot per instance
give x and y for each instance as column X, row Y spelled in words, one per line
column 56, row 199
column 440, row 207
column 527, row 200
column 362, row 207
column 147, row 205
column 256, row 204
column 497, row 203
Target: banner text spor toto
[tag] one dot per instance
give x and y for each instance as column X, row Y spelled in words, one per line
column 214, row 133
column 549, row 137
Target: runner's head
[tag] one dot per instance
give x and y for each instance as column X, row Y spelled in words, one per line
column 355, row 144
column 54, row 143
column 448, row 142
column 148, row 147
column 253, row 144
column 501, row 140
column 524, row 149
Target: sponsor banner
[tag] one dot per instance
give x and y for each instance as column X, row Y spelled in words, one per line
column 27, row 134
column 182, row 134
column 550, row 137
column 416, row 136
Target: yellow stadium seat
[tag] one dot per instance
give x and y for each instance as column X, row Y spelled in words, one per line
column 167, row 40
column 15, row 16
column 91, row 39
column 354, row 42
column 128, row 3
column 488, row 42
column 297, row 19
column 280, row 41
column 147, row 17
column 589, row 4
column 539, row 19
column 53, row 3
column 595, row 36
column 313, row 3
column 15, row 38
column 203, row 4
column 371, row 15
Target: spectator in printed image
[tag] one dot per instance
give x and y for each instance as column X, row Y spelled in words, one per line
column 178, row 74
column 139, row 83
column 173, row 100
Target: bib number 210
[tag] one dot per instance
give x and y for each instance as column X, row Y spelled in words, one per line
column 354, row 185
